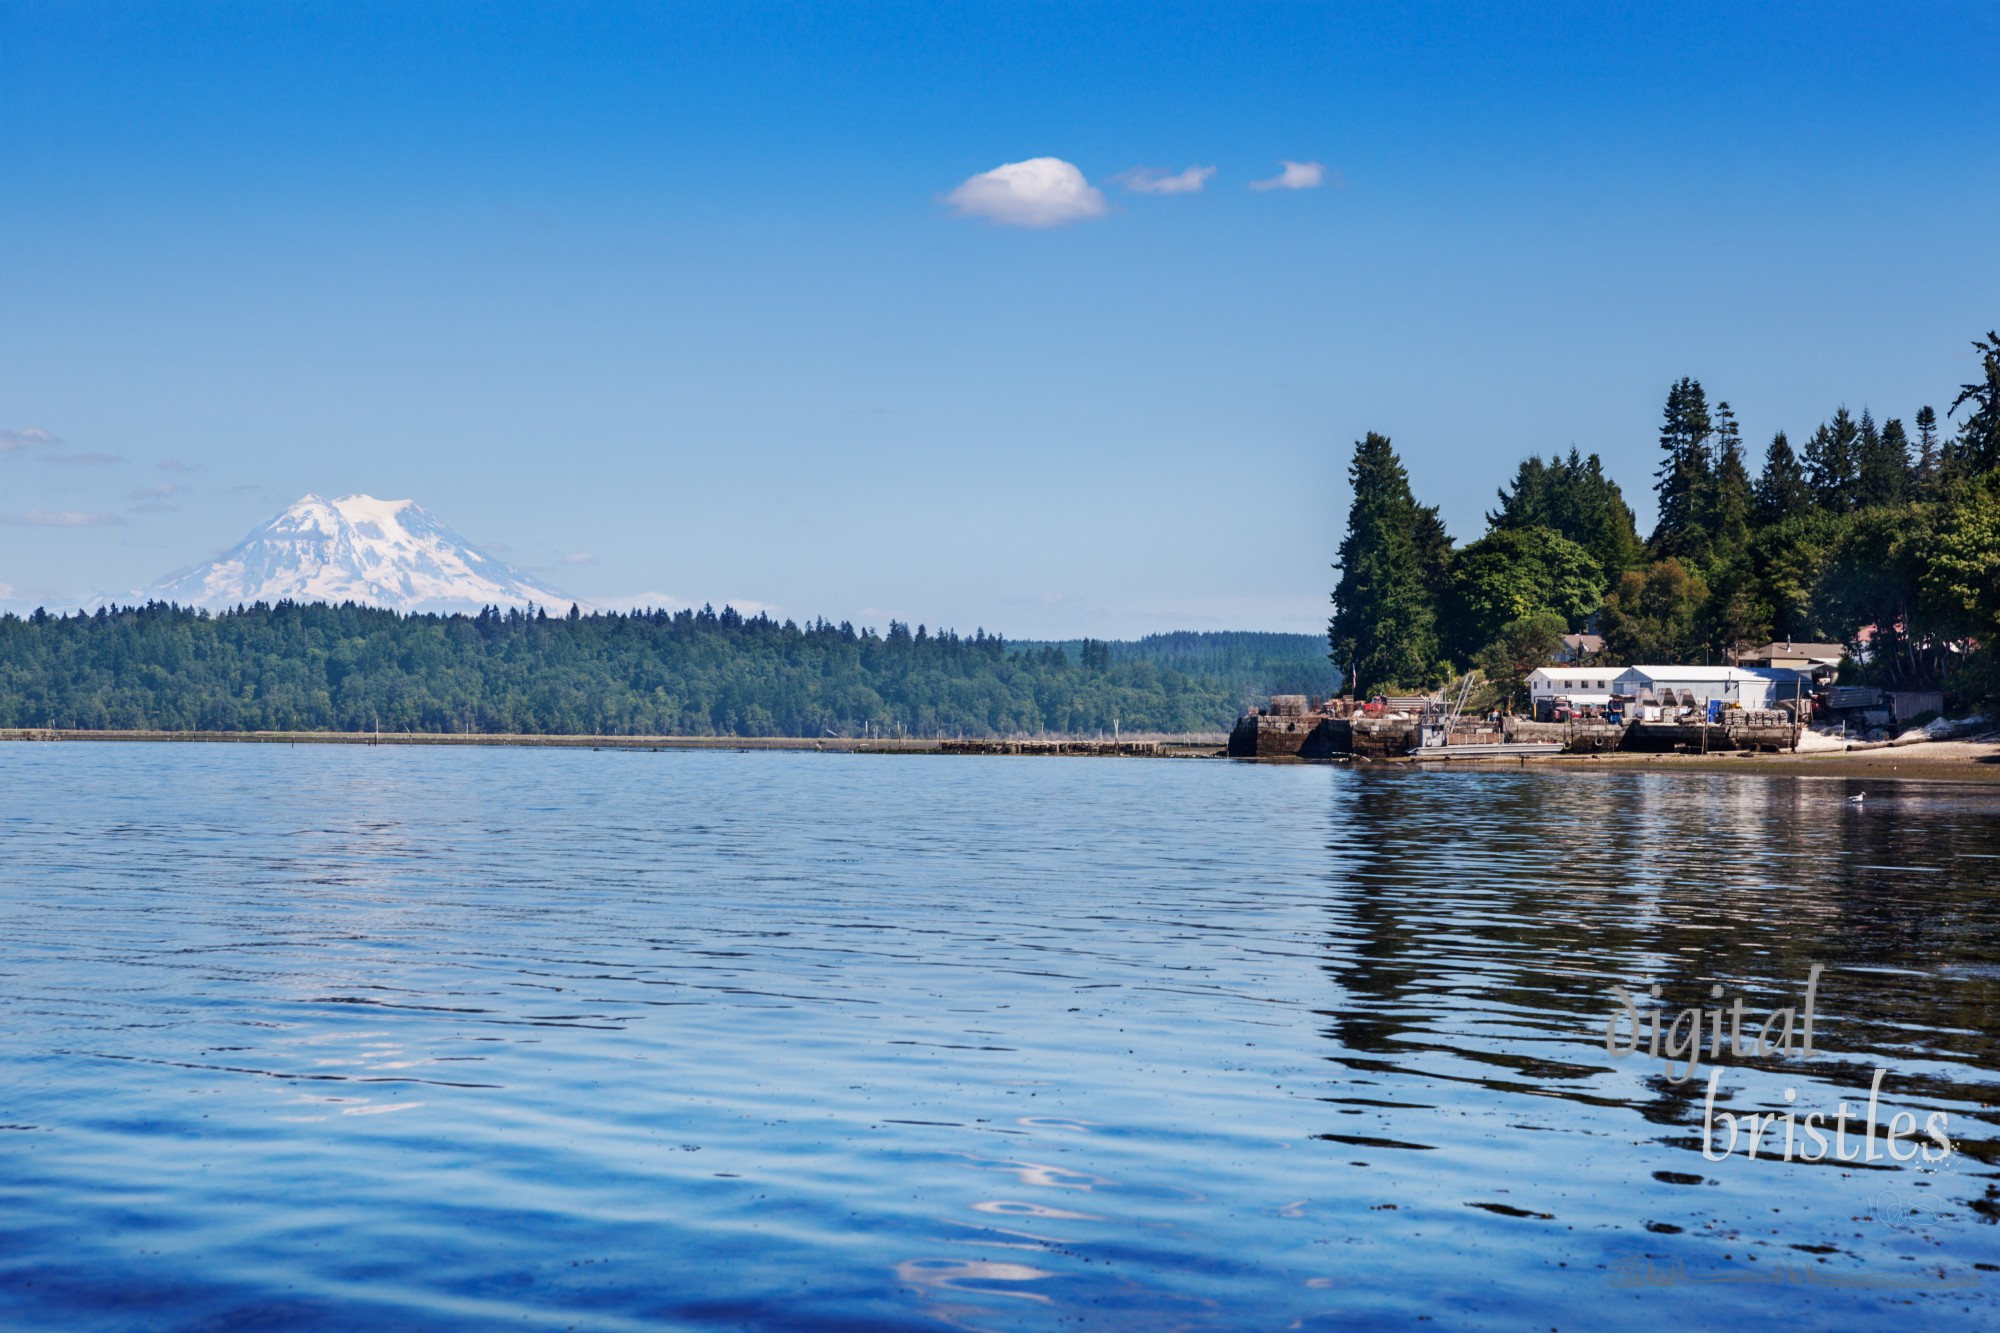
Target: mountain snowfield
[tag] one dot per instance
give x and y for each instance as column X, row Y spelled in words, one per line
column 387, row 553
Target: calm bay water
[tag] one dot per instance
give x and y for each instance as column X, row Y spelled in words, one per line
column 333, row 1037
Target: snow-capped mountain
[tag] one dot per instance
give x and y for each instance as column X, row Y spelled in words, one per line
column 388, row 553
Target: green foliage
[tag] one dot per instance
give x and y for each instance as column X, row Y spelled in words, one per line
column 1869, row 576
column 1384, row 626
column 1654, row 616
column 1738, row 610
column 1730, row 498
column 1871, row 536
column 706, row 673
column 1926, row 472
column 1516, row 573
column 1883, row 472
column 1573, row 498
column 1833, row 463
column 1960, row 583
column 1782, row 491
column 1977, row 448
column 1685, row 476
column 1521, row 646
column 1787, row 558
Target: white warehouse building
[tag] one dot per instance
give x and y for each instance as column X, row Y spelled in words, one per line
column 1582, row 686
column 1697, row 685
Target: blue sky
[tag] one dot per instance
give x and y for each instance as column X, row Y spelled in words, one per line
column 667, row 301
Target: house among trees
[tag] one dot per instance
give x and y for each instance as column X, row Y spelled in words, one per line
column 1820, row 659
column 1873, row 542
column 1580, row 647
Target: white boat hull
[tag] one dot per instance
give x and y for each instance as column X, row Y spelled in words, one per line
column 1491, row 750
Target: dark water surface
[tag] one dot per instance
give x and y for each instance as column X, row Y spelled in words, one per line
column 337, row 1037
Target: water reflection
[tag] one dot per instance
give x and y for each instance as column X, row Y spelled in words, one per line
column 455, row 1039
column 1478, row 923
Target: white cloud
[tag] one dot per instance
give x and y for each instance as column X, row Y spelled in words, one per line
column 1295, row 176
column 175, row 465
column 69, row 518
column 1158, row 180
column 159, row 492
column 83, row 460
column 1040, row 192
column 30, row 437
column 579, row 558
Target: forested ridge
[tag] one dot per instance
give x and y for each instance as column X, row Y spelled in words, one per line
column 1880, row 536
column 689, row 673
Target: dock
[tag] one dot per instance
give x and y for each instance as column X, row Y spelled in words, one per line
column 1298, row 728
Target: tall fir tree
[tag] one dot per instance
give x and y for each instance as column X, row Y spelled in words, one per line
column 1573, row 498
column 1782, row 491
column 1881, row 464
column 1897, row 467
column 1925, row 470
column 1434, row 550
column 1833, row 463
column 1731, row 500
column 1384, row 627
column 1530, row 501
column 1977, row 448
column 1684, row 475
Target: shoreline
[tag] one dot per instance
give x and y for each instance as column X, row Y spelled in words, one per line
column 1143, row 745
column 1928, row 761
column 1931, row 761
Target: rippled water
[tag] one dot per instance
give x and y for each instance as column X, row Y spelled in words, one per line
column 340, row 1037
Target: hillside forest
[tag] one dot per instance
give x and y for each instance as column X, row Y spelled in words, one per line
column 1880, row 535
column 315, row 667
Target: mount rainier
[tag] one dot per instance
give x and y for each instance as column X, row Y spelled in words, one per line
column 387, row 553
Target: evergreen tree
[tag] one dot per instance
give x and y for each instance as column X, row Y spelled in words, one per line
column 1788, row 556
column 1574, row 499
column 1782, row 491
column 1384, row 627
column 1926, row 469
column 1684, row 477
column 351, row 668
column 1530, row 501
column 1872, row 576
column 1434, row 553
column 1882, row 464
column 1977, row 448
column 1731, row 498
column 1833, row 463
column 1610, row 532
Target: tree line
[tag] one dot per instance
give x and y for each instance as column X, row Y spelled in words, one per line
column 292, row 666
column 1869, row 531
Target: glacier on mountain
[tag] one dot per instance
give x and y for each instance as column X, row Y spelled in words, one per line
column 388, row 553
